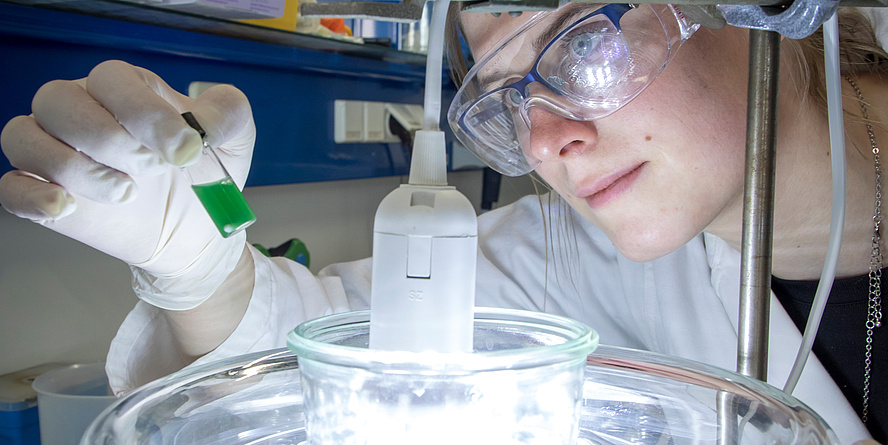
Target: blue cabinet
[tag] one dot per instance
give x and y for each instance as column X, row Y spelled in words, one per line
column 291, row 80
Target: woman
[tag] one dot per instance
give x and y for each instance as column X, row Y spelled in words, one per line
column 642, row 176
column 652, row 182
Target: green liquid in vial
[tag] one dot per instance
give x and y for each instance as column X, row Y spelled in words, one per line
column 226, row 205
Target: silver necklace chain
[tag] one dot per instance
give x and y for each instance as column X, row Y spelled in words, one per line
column 874, row 308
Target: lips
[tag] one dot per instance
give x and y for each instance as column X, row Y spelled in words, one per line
column 611, row 187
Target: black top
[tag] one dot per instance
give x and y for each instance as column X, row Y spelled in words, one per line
column 841, row 341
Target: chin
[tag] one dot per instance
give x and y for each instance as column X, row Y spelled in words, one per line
column 642, row 256
column 641, row 248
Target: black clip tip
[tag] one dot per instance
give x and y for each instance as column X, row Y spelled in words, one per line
column 192, row 121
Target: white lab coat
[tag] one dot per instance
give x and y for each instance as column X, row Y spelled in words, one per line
column 684, row 304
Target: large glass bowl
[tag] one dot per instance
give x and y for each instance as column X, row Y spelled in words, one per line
column 628, row 397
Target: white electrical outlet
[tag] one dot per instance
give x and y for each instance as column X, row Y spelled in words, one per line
column 374, row 121
column 408, row 115
column 367, row 121
column 348, row 121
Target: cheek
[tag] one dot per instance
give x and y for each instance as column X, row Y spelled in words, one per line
column 706, row 82
column 703, row 127
column 555, row 175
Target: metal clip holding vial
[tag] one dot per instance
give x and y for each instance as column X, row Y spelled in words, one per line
column 215, row 189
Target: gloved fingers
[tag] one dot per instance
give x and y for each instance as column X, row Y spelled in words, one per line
column 28, row 196
column 66, row 111
column 225, row 113
column 31, row 149
column 147, row 108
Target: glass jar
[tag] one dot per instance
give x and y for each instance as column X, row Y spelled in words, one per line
column 522, row 384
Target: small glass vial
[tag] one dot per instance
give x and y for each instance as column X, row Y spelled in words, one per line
column 215, row 189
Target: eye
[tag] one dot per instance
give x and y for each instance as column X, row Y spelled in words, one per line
column 515, row 97
column 584, row 44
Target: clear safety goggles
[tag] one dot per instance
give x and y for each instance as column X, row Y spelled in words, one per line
column 581, row 61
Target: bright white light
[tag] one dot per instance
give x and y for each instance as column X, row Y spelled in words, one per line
column 529, row 407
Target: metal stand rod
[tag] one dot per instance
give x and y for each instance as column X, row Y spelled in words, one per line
column 758, row 204
column 758, row 223
column 727, row 419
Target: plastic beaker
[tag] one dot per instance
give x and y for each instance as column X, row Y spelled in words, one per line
column 69, row 399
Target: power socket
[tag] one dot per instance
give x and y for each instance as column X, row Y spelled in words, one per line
column 356, row 121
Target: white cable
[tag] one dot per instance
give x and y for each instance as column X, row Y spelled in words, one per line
column 428, row 165
column 837, row 152
column 434, row 62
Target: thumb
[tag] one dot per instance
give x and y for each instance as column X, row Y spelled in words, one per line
column 225, row 114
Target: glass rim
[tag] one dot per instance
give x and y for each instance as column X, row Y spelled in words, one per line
column 579, row 340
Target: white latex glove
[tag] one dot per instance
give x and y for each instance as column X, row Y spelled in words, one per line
column 97, row 162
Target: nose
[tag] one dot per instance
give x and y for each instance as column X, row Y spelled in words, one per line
column 555, row 138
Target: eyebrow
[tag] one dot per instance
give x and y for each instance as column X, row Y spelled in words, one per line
column 568, row 15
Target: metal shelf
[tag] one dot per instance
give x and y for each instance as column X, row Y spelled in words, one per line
column 170, row 18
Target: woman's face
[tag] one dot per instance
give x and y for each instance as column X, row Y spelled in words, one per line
column 664, row 167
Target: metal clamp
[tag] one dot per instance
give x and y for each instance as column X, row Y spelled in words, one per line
column 799, row 20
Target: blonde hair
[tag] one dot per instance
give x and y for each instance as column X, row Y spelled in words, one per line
column 458, row 64
column 860, row 54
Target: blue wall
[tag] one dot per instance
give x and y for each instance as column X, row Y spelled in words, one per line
column 291, row 89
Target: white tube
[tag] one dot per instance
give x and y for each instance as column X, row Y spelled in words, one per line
column 837, row 152
column 428, row 165
column 434, row 63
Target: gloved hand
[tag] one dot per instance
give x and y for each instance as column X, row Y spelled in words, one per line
column 98, row 162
